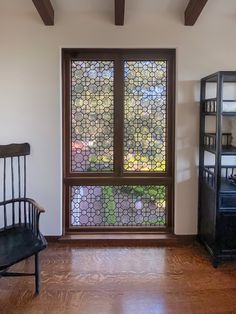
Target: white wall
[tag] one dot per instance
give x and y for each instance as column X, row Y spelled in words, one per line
column 30, row 86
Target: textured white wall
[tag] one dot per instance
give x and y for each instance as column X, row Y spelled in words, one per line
column 30, row 81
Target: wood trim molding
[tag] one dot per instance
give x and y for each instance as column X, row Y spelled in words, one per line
column 193, row 11
column 119, row 12
column 123, row 239
column 117, row 177
column 45, row 10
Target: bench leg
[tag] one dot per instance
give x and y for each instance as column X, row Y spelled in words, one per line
column 37, row 274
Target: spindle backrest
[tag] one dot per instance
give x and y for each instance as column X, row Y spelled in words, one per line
column 13, row 182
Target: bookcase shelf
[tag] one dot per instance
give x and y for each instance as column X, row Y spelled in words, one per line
column 217, row 182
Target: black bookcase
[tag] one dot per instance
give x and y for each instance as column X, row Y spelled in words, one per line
column 217, row 166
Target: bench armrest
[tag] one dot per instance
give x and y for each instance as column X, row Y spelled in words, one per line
column 24, row 211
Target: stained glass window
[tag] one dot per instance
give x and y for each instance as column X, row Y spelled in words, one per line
column 118, row 205
column 92, row 116
column 145, row 116
column 118, row 118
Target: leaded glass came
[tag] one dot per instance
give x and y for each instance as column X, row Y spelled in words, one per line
column 92, row 116
column 145, row 116
column 118, row 139
column 118, row 205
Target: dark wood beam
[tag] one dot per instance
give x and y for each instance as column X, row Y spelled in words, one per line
column 45, row 10
column 193, row 10
column 119, row 12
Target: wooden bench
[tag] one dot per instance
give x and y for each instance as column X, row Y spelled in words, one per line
column 20, row 237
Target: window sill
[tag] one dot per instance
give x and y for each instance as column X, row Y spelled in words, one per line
column 125, row 239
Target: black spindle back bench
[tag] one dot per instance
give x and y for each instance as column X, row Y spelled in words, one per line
column 20, row 237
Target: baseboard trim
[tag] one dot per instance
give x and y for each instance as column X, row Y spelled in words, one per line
column 52, row 238
column 123, row 239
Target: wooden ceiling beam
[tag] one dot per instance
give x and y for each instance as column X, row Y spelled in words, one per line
column 119, row 12
column 45, row 10
column 193, row 10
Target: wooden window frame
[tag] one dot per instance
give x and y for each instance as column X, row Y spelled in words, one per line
column 118, row 177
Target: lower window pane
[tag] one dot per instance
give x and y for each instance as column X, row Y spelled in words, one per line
column 125, row 205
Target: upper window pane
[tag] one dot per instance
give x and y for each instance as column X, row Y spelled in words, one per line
column 145, row 118
column 92, row 116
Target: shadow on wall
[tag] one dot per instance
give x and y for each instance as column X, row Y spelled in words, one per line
column 187, row 133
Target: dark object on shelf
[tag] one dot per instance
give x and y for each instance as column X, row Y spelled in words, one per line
column 232, row 179
column 20, row 237
column 217, row 182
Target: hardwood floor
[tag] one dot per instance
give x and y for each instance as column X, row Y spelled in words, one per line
column 122, row 281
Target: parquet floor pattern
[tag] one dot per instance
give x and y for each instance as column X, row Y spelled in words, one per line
column 178, row 280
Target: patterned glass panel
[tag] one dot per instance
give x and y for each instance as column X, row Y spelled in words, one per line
column 118, row 205
column 145, row 116
column 92, row 116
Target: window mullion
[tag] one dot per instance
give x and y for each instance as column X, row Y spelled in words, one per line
column 118, row 115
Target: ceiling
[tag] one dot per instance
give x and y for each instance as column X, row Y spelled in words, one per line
column 203, row 9
column 191, row 9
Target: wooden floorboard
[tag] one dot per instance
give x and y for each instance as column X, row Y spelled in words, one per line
column 122, row 281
